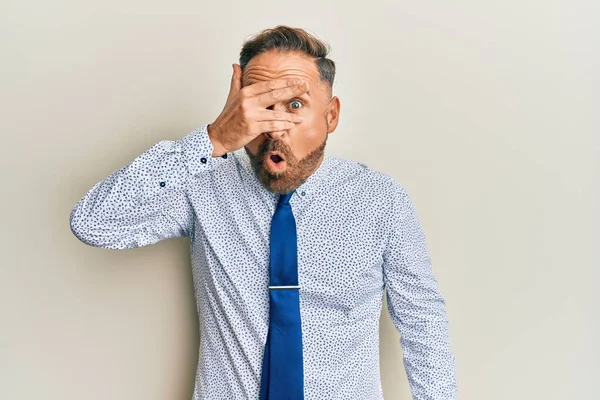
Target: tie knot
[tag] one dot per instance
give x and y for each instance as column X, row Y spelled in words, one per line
column 285, row 198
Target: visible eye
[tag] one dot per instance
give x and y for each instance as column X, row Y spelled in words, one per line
column 295, row 104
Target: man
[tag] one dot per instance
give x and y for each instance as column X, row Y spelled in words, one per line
column 291, row 248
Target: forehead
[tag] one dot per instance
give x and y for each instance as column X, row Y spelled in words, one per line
column 275, row 64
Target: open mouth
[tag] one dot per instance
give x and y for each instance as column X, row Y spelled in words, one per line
column 276, row 161
column 276, row 157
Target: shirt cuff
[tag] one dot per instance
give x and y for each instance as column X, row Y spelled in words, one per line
column 197, row 151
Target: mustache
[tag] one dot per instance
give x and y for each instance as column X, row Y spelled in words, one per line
column 274, row 145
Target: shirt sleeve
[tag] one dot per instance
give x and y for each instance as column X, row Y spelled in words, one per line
column 145, row 201
column 416, row 306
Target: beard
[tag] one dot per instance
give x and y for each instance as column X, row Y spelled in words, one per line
column 296, row 172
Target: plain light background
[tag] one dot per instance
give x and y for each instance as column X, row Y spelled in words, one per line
column 486, row 111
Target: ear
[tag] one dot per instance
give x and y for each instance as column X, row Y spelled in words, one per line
column 333, row 114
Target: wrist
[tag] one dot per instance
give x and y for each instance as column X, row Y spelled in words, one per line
column 213, row 134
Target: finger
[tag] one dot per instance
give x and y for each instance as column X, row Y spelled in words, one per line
column 236, row 81
column 270, row 115
column 237, row 75
column 270, row 126
column 264, row 87
column 278, row 95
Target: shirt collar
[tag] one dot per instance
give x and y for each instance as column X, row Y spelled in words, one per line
column 314, row 184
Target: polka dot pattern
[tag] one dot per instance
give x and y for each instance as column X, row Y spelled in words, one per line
column 359, row 239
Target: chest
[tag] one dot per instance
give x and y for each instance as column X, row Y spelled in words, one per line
column 340, row 241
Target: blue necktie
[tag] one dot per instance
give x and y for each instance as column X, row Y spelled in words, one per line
column 282, row 373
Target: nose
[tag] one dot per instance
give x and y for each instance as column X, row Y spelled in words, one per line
column 275, row 134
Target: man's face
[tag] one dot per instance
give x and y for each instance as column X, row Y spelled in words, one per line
column 300, row 149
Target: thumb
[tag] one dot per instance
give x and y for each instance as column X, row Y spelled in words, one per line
column 236, row 80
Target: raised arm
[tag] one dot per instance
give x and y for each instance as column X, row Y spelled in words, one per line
column 417, row 307
column 144, row 201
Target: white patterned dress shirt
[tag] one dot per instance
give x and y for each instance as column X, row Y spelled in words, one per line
column 358, row 238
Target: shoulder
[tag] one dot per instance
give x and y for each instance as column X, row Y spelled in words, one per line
column 381, row 190
column 369, row 179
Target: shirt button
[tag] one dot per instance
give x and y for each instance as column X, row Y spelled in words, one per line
column 162, row 184
column 224, row 155
column 203, row 160
column 303, row 193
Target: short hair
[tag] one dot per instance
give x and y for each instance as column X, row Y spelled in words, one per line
column 285, row 38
